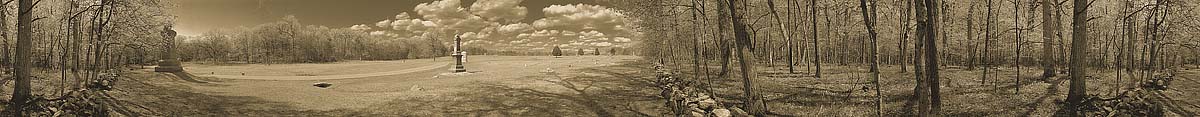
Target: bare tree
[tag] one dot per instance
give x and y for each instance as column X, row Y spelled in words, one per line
column 21, row 90
column 926, row 16
column 1017, row 27
column 753, row 103
column 869, row 21
column 1049, row 30
column 816, row 47
column 786, row 35
column 987, row 39
column 905, row 15
column 1079, row 46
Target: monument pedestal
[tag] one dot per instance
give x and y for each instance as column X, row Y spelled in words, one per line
column 458, row 63
column 169, row 65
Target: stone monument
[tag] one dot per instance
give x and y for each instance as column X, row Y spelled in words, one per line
column 458, row 55
column 169, row 62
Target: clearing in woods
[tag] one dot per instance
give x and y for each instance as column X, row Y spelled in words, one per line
column 589, row 86
column 359, row 86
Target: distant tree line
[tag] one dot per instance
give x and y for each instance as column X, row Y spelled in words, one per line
column 289, row 41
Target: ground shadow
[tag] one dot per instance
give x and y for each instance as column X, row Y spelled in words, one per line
column 616, row 90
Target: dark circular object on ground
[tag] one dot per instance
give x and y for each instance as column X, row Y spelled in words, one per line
column 322, row 84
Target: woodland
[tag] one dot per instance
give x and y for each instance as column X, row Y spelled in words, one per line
column 1113, row 55
column 706, row 57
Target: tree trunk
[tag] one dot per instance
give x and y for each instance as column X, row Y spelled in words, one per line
column 1017, row 26
column 754, row 104
column 904, row 20
column 786, row 35
column 1049, row 30
column 971, row 57
column 869, row 21
column 1079, row 46
column 931, row 65
column 21, row 90
column 987, row 39
column 6, row 54
column 816, row 47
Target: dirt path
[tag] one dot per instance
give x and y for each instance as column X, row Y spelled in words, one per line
column 1178, row 98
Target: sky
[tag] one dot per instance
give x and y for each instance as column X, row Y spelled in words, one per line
column 515, row 24
column 197, row 16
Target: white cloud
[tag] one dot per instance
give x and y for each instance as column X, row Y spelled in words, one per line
column 441, row 10
column 602, row 44
column 496, row 23
column 515, row 28
column 402, row 16
column 499, row 10
column 378, row 33
column 360, row 27
column 584, row 17
column 383, row 24
column 622, row 39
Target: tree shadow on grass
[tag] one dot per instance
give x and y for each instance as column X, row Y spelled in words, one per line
column 165, row 97
column 613, row 92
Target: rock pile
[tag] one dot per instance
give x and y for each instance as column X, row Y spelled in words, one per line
column 688, row 98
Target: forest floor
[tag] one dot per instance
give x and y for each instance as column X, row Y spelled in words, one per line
column 587, row 86
column 846, row 90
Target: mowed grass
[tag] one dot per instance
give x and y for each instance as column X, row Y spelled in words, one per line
column 627, row 89
column 311, row 69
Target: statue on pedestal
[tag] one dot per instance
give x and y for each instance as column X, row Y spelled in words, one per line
column 169, row 62
column 458, row 55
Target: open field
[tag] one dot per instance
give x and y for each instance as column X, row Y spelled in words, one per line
column 606, row 86
column 352, row 95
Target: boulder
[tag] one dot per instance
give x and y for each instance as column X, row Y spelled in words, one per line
column 722, row 113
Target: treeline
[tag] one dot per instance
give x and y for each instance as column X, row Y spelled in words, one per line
column 289, row 41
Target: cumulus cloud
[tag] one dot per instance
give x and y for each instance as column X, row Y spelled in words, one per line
column 584, row 17
column 622, row 39
column 383, row 24
column 360, row 27
column 496, row 24
column 602, row 44
column 413, row 25
column 403, row 15
column 441, row 10
column 378, row 33
column 451, row 16
column 499, row 10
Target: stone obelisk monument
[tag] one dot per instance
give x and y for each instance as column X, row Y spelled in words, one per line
column 170, row 61
column 458, row 55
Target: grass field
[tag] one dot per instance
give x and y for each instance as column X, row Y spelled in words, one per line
column 594, row 86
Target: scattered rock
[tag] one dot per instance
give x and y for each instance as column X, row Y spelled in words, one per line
column 697, row 114
column 722, row 113
column 708, row 103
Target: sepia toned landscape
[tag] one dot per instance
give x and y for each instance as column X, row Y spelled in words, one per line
column 622, row 58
